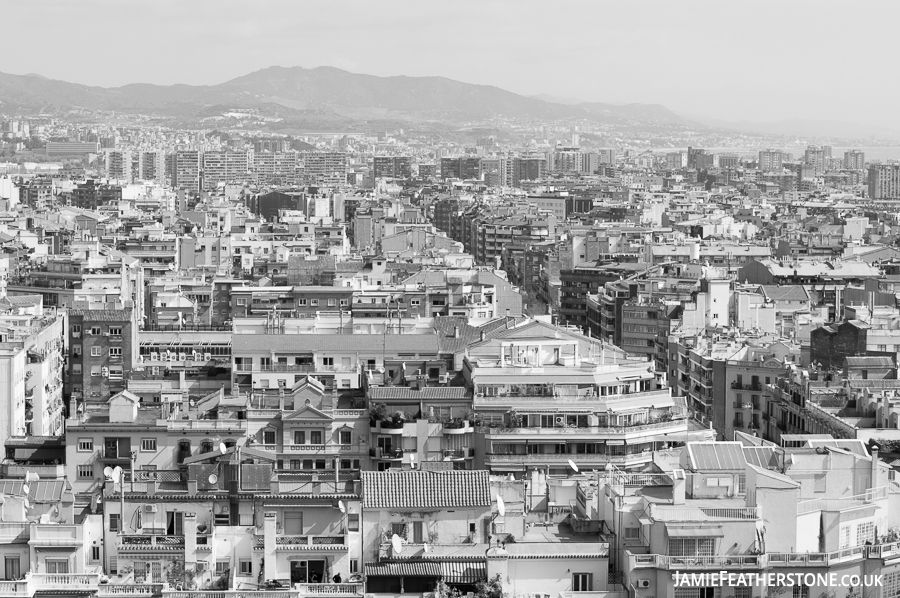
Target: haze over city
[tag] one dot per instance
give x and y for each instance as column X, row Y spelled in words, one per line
column 810, row 60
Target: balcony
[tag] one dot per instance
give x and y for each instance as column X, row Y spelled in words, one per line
column 386, row 455
column 14, row 531
column 246, row 368
column 203, row 424
column 282, row 542
column 678, row 513
column 457, row 426
column 129, row 590
column 459, row 454
column 302, row 590
column 16, row 588
column 386, row 426
column 754, row 387
column 114, row 455
column 63, row 582
column 55, row 535
column 564, row 458
column 676, row 424
column 145, row 543
column 737, row 561
column 839, row 504
column 301, row 485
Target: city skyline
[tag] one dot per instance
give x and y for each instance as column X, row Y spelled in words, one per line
column 396, row 39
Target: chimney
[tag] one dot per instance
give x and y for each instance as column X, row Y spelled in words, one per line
column 456, row 332
column 873, row 483
column 482, row 336
column 679, row 480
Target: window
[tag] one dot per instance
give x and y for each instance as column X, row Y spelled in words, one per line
column 314, row 303
column 85, row 445
column 115, row 331
column 299, row 437
column 115, row 352
column 345, row 302
column 418, row 532
column 581, row 582
column 891, row 583
column 800, row 592
column 12, row 569
column 346, row 437
column 398, row 529
column 353, row 522
column 865, row 532
column 301, row 302
column 332, row 302
column 414, row 302
column 328, row 361
column 76, row 350
column 114, row 522
column 692, row 546
column 268, row 436
column 632, row 533
column 245, row 566
column 222, row 566
column 95, row 351
column 148, row 444
column 241, row 301
column 57, row 565
column 85, row 472
column 95, row 553
column 95, row 330
column 354, row 567
column 742, row 592
column 76, row 329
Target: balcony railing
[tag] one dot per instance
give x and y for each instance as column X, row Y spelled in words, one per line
column 16, row 588
column 323, row 542
column 245, row 368
column 139, row 542
column 670, row 513
column 757, row 387
column 203, row 424
column 303, row 590
column 64, row 581
column 591, row 430
column 565, row 457
column 839, row 504
column 129, row 590
column 738, row 561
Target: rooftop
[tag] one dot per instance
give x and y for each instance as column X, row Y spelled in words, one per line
column 425, row 489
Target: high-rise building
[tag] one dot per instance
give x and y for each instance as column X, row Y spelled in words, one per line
column 391, row 167
column 854, row 159
column 884, row 180
column 152, row 166
column 118, row 164
column 771, row 159
column 187, row 170
column 224, row 167
column 817, row 156
column 461, row 167
column 693, row 153
column 326, row 168
column 676, row 160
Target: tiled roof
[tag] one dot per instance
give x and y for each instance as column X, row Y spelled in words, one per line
column 866, row 361
column 425, row 489
column 393, row 343
column 101, row 315
column 793, row 292
column 386, row 393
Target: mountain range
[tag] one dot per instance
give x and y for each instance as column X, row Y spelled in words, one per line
column 324, row 94
column 327, row 98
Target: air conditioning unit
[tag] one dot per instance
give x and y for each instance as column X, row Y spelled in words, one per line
column 224, row 509
column 559, row 420
column 104, row 372
column 154, row 356
column 207, row 356
column 154, row 371
column 643, row 583
column 444, row 378
column 151, row 508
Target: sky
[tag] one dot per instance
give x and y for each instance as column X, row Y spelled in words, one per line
column 766, row 60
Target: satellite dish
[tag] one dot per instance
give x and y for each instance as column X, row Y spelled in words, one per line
column 396, row 544
column 501, row 506
column 25, row 489
column 213, row 478
column 107, row 472
column 341, row 506
column 573, row 466
column 27, row 504
column 116, row 475
column 222, row 448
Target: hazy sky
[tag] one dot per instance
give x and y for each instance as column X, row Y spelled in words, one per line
column 762, row 60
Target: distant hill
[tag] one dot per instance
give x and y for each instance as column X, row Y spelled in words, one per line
column 324, row 94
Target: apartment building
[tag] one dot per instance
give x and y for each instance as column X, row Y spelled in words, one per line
column 821, row 505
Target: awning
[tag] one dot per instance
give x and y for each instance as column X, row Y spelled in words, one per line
column 404, row 569
column 694, row 532
column 464, row 571
column 645, row 521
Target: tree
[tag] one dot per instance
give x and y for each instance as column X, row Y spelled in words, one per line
column 492, row 588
